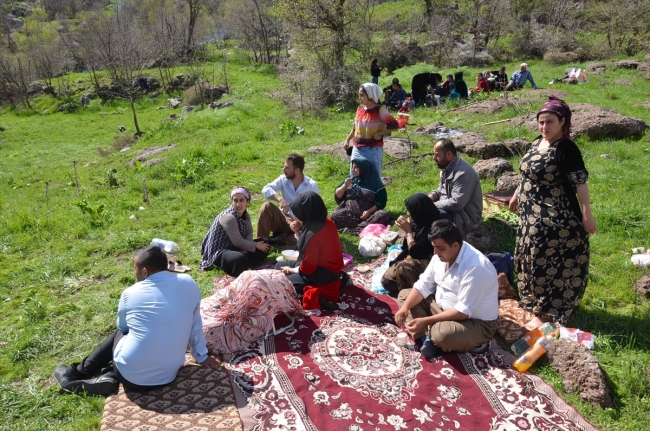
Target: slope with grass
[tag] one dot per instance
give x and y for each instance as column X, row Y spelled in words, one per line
column 66, row 255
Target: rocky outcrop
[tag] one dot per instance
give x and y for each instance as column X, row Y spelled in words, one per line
column 492, row 168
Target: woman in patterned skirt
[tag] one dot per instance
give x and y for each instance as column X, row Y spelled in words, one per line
column 361, row 199
column 555, row 220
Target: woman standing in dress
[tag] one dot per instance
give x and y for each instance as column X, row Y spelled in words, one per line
column 229, row 243
column 361, row 198
column 555, row 220
column 371, row 124
column 316, row 275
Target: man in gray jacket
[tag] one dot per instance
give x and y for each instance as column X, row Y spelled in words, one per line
column 459, row 196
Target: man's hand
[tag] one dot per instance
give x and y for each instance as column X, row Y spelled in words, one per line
column 417, row 325
column 284, row 206
column 400, row 317
column 211, row 362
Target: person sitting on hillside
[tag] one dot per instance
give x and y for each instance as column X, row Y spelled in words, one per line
column 501, row 79
column 229, row 243
column 397, row 97
column 482, row 85
column 459, row 197
column 454, row 304
column 460, row 86
column 157, row 318
column 520, row 77
column 447, row 86
column 316, row 275
column 361, row 198
column 430, row 99
column 283, row 190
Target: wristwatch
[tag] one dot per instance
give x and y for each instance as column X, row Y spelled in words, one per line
column 409, row 235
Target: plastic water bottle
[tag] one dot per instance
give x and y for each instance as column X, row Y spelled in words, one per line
column 168, row 246
column 522, row 344
column 541, row 346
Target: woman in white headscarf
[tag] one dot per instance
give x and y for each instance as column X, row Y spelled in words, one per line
column 371, row 124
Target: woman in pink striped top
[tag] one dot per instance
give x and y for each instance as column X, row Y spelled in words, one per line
column 371, row 124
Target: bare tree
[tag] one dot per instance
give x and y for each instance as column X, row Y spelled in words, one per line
column 16, row 75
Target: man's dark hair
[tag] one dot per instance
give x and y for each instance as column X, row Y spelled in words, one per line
column 396, row 81
column 458, row 75
column 152, row 258
column 297, row 161
column 446, row 144
column 446, row 231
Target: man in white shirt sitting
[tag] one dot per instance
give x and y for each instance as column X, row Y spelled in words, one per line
column 283, row 190
column 454, row 304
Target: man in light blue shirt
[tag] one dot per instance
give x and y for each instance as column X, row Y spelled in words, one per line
column 156, row 319
column 283, row 190
column 519, row 78
column 454, row 304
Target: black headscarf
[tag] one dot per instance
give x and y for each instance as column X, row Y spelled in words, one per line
column 423, row 213
column 310, row 209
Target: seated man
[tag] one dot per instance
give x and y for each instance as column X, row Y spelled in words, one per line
column 459, row 197
column 519, row 78
column 397, row 97
column 277, row 220
column 454, row 304
column 500, row 79
column 156, row 319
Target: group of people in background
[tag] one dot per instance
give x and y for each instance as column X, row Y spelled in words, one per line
column 454, row 86
column 446, row 289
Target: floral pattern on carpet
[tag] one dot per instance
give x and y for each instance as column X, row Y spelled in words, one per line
column 345, row 371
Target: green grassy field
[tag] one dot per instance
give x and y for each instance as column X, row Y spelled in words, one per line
column 62, row 269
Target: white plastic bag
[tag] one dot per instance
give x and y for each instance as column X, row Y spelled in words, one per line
column 371, row 246
column 582, row 337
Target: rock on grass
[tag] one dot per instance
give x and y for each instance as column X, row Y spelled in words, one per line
column 580, row 372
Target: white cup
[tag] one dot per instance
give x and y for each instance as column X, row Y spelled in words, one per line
column 402, row 339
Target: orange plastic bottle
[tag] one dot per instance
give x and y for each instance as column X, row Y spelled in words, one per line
column 522, row 344
column 541, row 346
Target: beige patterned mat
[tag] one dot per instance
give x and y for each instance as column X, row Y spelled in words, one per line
column 199, row 399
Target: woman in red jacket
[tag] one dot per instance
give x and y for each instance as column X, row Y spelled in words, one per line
column 316, row 275
column 482, row 84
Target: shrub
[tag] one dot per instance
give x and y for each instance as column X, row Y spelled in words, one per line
column 123, row 141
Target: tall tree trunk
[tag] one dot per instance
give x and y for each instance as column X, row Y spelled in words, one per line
column 135, row 116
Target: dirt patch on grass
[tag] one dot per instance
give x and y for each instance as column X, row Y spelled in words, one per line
column 490, row 106
column 394, row 147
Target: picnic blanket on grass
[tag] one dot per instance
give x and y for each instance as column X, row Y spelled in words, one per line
column 344, row 371
column 199, row 399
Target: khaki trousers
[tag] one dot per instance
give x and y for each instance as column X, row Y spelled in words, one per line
column 461, row 336
column 272, row 219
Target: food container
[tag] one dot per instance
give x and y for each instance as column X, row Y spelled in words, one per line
column 402, row 339
column 290, row 254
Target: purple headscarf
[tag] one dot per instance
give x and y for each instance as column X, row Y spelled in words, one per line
column 559, row 108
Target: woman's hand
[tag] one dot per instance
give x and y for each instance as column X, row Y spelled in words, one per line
column 404, row 224
column 287, row 270
column 368, row 213
column 347, row 183
column 512, row 205
column 346, row 144
column 262, row 246
column 589, row 222
column 295, row 226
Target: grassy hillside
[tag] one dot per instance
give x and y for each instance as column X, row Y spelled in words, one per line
column 62, row 270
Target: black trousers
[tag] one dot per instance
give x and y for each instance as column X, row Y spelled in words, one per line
column 102, row 358
column 299, row 281
column 234, row 262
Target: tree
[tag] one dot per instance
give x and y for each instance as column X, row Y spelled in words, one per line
column 253, row 23
column 16, row 75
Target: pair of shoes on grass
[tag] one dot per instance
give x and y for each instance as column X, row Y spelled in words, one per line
column 72, row 381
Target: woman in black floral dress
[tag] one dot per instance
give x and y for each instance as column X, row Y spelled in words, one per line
column 361, row 198
column 555, row 220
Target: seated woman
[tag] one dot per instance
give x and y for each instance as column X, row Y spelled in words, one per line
column 229, row 243
column 361, row 199
column 416, row 248
column 482, row 84
column 316, row 275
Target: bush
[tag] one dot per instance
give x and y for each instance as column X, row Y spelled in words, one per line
column 123, row 141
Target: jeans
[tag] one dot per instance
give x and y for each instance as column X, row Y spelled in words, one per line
column 374, row 154
column 375, row 80
column 446, row 215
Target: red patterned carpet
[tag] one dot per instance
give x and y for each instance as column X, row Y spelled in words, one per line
column 344, row 371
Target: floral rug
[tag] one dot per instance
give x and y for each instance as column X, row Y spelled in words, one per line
column 345, row 371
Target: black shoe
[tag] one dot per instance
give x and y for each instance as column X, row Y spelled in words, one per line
column 326, row 305
column 103, row 385
column 64, row 374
